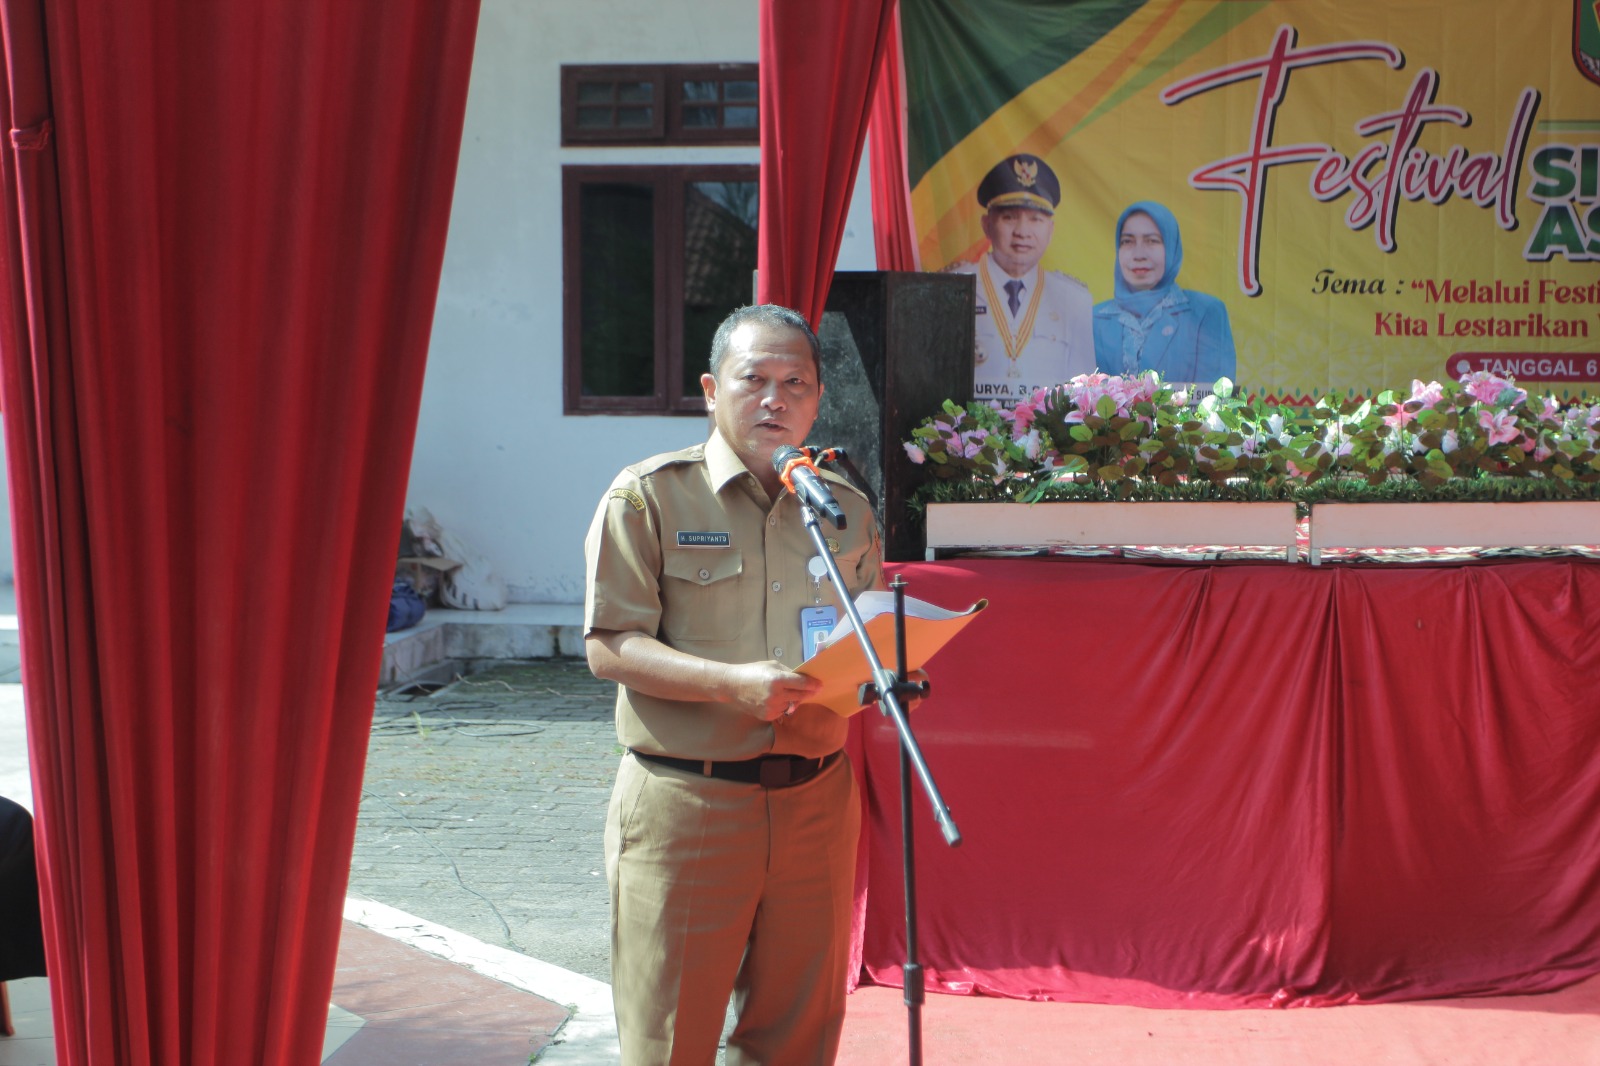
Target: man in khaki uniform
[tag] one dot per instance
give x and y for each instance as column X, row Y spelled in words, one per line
column 731, row 836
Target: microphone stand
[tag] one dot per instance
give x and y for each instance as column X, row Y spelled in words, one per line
column 888, row 689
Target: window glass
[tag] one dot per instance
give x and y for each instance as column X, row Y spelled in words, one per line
column 616, row 222
column 635, row 92
column 659, row 103
column 633, row 117
column 719, row 258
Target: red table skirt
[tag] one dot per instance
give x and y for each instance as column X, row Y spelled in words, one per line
column 1248, row 785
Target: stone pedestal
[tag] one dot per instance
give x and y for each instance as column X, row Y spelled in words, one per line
column 895, row 345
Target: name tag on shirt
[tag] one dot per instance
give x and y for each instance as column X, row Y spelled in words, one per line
column 693, row 539
column 815, row 625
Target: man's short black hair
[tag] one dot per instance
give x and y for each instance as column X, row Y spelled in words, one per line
column 763, row 315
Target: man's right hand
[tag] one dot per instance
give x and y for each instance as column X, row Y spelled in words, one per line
column 766, row 690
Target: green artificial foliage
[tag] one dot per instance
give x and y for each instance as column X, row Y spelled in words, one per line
column 1102, row 437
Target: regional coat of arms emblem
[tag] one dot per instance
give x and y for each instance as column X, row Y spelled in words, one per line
column 1586, row 38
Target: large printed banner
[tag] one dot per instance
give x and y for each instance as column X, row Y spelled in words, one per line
column 1304, row 195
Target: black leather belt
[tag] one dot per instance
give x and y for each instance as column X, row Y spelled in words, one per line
column 770, row 771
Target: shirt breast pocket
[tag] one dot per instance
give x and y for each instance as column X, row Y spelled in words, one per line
column 849, row 560
column 1051, row 328
column 700, row 594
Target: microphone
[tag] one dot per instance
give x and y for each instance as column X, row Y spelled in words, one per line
column 799, row 476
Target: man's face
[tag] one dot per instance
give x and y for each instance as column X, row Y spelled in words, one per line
column 765, row 395
column 1018, row 237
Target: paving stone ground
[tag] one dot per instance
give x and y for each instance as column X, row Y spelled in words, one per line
column 483, row 809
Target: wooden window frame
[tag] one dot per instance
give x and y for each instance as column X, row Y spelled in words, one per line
column 669, row 182
column 667, row 127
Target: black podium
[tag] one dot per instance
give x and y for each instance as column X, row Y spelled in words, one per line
column 895, row 345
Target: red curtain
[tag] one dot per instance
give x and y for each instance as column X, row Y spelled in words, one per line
column 1251, row 786
column 222, row 235
column 892, row 236
column 819, row 59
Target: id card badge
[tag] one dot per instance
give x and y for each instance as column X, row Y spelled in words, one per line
column 815, row 625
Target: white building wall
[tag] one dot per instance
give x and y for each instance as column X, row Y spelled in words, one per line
column 495, row 461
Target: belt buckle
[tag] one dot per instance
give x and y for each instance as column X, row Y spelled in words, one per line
column 776, row 773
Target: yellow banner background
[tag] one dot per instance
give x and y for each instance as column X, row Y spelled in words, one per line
column 1101, row 123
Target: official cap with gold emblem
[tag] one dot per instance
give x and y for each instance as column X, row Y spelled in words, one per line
column 1020, row 181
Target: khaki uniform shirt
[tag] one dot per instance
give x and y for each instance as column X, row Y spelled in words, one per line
column 1060, row 334
column 687, row 548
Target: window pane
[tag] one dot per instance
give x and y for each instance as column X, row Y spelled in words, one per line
column 740, row 117
column 719, row 256
column 636, row 92
column 617, row 224
column 699, row 90
column 594, row 118
column 633, row 117
column 739, row 90
column 595, row 92
column 700, row 117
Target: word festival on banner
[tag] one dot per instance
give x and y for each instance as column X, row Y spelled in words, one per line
column 1384, row 173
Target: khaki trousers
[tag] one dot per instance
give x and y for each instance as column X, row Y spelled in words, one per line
column 723, row 889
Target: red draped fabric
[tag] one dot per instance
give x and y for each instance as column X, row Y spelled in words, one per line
column 1249, row 786
column 222, row 233
column 819, row 59
column 892, row 235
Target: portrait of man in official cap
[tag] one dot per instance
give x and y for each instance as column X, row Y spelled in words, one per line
column 1034, row 327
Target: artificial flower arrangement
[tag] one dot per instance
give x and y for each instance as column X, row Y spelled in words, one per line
column 1104, row 437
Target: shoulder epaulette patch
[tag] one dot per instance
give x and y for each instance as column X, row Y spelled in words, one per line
column 628, row 494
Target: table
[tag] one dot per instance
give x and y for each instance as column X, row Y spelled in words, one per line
column 1243, row 785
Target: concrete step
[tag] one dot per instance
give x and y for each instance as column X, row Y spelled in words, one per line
column 445, row 640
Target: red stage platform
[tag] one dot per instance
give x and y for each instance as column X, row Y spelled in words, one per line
column 1251, row 785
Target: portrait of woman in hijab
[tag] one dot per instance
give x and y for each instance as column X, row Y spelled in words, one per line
column 1152, row 324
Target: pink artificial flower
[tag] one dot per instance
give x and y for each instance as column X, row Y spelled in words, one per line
column 1486, row 388
column 1128, row 391
column 1552, row 410
column 1022, row 416
column 1500, row 425
column 1429, row 394
column 916, row 454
